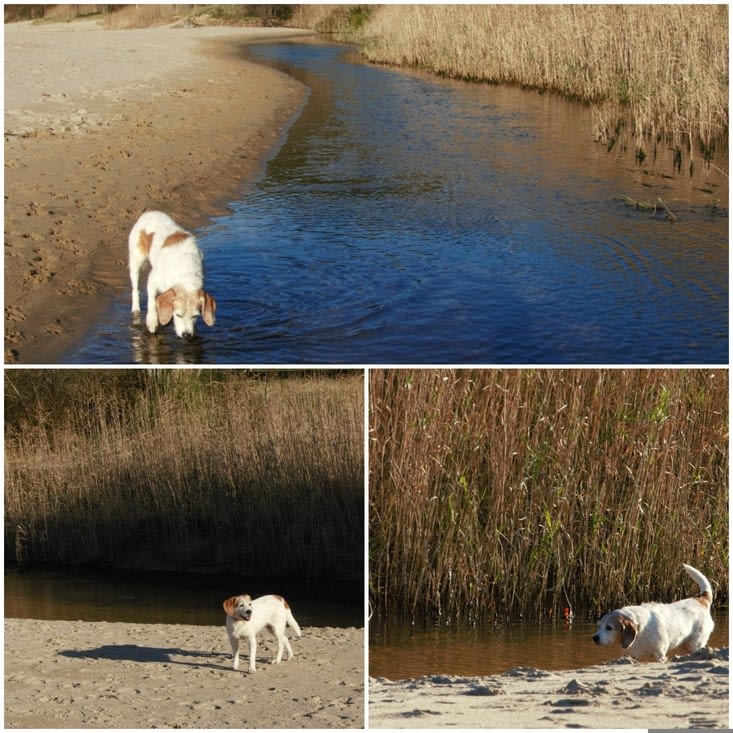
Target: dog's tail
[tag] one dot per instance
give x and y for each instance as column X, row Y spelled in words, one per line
column 292, row 623
column 706, row 590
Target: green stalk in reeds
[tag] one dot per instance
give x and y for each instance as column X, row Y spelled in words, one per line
column 261, row 474
column 513, row 492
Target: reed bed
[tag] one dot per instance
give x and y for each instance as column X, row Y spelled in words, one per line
column 505, row 493
column 658, row 73
column 145, row 15
column 183, row 469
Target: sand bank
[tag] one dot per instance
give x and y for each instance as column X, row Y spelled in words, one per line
column 100, row 125
column 75, row 674
column 689, row 692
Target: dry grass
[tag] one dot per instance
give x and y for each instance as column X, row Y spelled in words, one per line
column 341, row 20
column 53, row 13
column 121, row 17
column 145, row 16
column 258, row 475
column 656, row 72
column 513, row 492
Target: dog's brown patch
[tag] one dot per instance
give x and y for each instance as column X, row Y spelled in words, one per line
column 144, row 241
column 175, row 238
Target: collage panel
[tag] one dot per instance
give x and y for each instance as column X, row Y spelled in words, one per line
column 339, row 204
column 520, row 523
column 366, row 366
column 184, row 548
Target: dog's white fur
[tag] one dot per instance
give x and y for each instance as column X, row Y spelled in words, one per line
column 653, row 630
column 175, row 283
column 246, row 618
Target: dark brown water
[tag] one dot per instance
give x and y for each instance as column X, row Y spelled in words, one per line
column 170, row 598
column 404, row 652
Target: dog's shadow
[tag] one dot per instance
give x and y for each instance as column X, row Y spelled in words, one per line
column 135, row 653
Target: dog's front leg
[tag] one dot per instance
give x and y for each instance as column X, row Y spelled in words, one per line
column 134, row 281
column 252, row 652
column 151, row 318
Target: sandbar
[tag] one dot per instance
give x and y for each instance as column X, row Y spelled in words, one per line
column 101, row 125
column 78, row 674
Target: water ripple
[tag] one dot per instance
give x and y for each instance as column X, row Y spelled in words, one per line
column 414, row 220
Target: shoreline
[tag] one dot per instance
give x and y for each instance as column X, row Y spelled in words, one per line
column 684, row 692
column 124, row 126
column 79, row 674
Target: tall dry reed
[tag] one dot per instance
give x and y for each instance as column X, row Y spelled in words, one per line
column 256, row 474
column 508, row 492
column 657, row 71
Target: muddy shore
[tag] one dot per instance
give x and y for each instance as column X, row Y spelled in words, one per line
column 77, row 674
column 99, row 126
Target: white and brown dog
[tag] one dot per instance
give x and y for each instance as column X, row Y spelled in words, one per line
column 246, row 618
column 175, row 282
column 653, row 630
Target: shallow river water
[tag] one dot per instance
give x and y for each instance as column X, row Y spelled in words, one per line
column 408, row 219
column 400, row 651
column 170, row 598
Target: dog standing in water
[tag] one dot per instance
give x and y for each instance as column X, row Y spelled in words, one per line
column 653, row 630
column 176, row 279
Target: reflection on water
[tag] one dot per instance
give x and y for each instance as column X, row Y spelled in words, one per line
column 170, row 598
column 412, row 219
column 403, row 652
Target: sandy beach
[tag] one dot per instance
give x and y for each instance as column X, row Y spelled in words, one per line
column 99, row 126
column 687, row 692
column 75, row 674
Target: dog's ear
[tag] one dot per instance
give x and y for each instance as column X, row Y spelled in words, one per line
column 230, row 605
column 629, row 629
column 164, row 304
column 208, row 308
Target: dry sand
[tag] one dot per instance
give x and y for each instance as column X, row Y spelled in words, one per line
column 76, row 674
column 689, row 692
column 99, row 126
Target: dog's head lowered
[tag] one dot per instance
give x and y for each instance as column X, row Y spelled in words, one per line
column 616, row 626
column 183, row 307
column 239, row 607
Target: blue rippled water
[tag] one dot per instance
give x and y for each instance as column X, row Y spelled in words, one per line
column 407, row 219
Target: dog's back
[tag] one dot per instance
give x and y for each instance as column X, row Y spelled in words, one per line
column 151, row 227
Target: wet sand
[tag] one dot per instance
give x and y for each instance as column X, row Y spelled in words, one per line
column 688, row 692
column 99, row 126
column 76, row 674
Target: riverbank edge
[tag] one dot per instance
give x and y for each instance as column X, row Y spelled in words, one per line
column 684, row 692
column 187, row 143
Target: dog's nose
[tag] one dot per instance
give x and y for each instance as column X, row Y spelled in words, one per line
column 596, row 638
column 187, row 334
